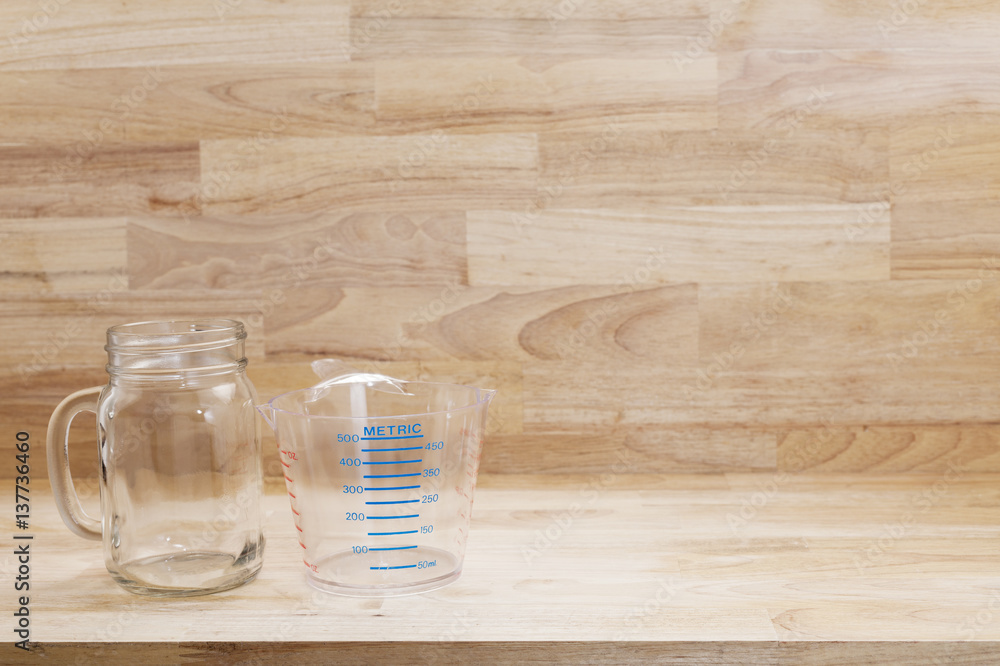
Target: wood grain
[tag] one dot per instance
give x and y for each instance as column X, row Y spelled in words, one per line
column 380, row 173
column 946, row 240
column 631, row 450
column 626, row 396
column 188, row 103
column 675, row 244
column 813, row 653
column 571, row 325
column 800, row 568
column 53, row 331
column 98, row 178
column 859, row 24
column 587, row 204
column 948, row 160
column 517, row 95
column 115, row 33
column 537, row 40
column 890, row 449
column 277, row 254
column 586, row 170
column 619, row 10
column 839, row 88
column 931, row 325
column 61, row 255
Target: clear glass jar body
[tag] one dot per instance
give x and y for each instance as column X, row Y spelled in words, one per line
column 180, row 459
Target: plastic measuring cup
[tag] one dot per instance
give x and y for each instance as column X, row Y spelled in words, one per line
column 381, row 476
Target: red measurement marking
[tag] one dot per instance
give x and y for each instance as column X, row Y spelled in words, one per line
column 298, row 528
column 292, row 496
column 289, row 480
column 284, row 463
column 293, row 508
column 302, row 544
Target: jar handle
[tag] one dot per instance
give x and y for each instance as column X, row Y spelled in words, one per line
column 57, row 451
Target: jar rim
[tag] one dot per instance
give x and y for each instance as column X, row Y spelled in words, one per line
column 174, row 334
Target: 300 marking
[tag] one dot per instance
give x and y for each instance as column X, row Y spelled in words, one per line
column 353, row 490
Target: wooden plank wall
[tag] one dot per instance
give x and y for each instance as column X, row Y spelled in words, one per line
column 678, row 236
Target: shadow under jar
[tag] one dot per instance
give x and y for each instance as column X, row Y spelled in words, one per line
column 180, row 463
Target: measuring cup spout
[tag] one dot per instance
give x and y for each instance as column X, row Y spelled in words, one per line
column 267, row 412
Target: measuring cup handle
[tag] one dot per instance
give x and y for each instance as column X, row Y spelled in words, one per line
column 57, row 451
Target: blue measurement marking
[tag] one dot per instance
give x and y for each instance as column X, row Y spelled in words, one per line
column 392, row 462
column 388, row 476
column 376, row 439
column 395, row 502
column 395, row 488
column 391, row 533
column 404, row 566
column 392, row 548
column 407, row 448
column 416, row 515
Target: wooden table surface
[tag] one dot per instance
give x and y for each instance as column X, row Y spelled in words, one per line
column 585, row 568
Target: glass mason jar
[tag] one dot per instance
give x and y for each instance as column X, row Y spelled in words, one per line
column 180, row 463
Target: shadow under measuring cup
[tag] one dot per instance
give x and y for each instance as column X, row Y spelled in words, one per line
column 381, row 481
